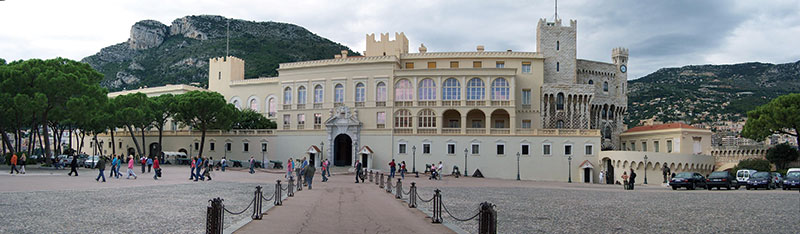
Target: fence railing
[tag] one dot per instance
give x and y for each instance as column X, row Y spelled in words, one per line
column 215, row 212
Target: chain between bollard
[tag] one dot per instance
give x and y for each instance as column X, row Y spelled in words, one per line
column 240, row 212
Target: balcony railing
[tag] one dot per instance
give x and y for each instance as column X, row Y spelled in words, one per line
column 404, row 103
column 476, row 131
column 338, row 104
column 317, row 126
column 379, row 104
column 286, row 126
column 317, row 105
column 287, row 106
column 426, row 131
column 381, row 126
column 301, row 126
column 451, row 130
column 501, row 131
column 359, row 104
column 501, row 103
column 403, row 130
column 301, row 106
column 426, row 103
column 451, row 103
column 476, row 103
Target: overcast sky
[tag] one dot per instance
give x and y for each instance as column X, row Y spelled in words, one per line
column 658, row 33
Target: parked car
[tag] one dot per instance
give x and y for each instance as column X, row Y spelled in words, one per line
column 744, row 175
column 721, row 179
column 91, row 161
column 760, row 180
column 689, row 180
column 792, row 180
column 82, row 159
column 777, row 179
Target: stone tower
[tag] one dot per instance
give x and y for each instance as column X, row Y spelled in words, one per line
column 223, row 70
column 559, row 46
column 386, row 47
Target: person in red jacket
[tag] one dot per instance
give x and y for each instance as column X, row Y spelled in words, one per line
column 191, row 170
column 14, row 164
column 144, row 161
column 157, row 168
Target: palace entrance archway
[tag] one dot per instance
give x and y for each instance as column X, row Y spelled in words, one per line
column 342, row 147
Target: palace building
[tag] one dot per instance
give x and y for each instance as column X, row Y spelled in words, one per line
column 547, row 112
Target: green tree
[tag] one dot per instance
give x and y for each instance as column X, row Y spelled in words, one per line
column 779, row 116
column 203, row 111
column 250, row 119
column 781, row 155
column 162, row 108
column 133, row 111
column 753, row 164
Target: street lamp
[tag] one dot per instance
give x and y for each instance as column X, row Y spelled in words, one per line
column 263, row 156
column 645, row 169
column 517, row 165
column 466, row 172
column 322, row 153
column 569, row 166
column 414, row 155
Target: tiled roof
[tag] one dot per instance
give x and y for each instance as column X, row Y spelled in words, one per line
column 660, row 127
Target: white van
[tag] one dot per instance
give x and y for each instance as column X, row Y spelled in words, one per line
column 744, row 175
column 792, row 170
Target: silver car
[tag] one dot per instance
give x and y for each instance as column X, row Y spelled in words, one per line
column 91, row 161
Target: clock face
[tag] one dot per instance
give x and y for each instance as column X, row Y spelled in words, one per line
column 623, row 68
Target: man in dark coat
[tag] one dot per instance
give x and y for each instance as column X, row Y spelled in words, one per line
column 74, row 166
column 632, row 180
column 101, row 166
column 309, row 175
column 358, row 170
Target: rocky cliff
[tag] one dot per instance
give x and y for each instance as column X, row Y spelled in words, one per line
column 157, row 54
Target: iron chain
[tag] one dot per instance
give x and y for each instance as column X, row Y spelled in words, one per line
column 238, row 213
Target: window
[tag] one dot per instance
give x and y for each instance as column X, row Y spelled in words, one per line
column 197, row 146
column 477, row 64
column 589, row 149
column 338, row 93
column 451, row 89
column 501, row 149
column 426, row 148
column 318, row 95
column 477, row 124
column 526, row 97
column 120, row 145
column 235, row 103
column 403, row 91
column 427, row 118
column 624, row 147
column 453, row 64
column 451, row 148
column 500, row 64
column 605, row 86
column 246, row 147
column 560, row 101
column 560, row 124
column 361, row 92
column 567, row 149
column 211, row 146
column 410, row 65
column 655, row 146
column 228, row 146
column 401, row 148
column 253, row 104
column 526, row 123
column 546, row 149
column 633, row 146
column 219, row 76
column 525, row 149
column 669, row 146
column 286, row 119
column 500, row 89
column 301, row 95
column 287, row 96
column 644, row 146
column 431, row 65
column 272, row 107
column 380, row 92
column 526, row 67
column 402, row 119
column 317, row 118
column 558, row 66
column 475, row 89
column 591, row 82
column 558, row 45
column 301, row 119
column 381, row 118
column 476, row 148
column 427, row 90
column 263, row 147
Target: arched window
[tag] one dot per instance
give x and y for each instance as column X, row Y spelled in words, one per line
column 272, row 107
column 560, row 124
column 254, row 104
column 380, row 92
column 427, row 118
column 558, row 45
column 558, row 66
column 591, row 82
column 604, row 113
column 403, row 91
column 500, row 89
column 475, row 89
column 237, row 104
column 605, row 86
column 560, row 101
column 402, row 119
column 427, row 90
column 338, row 93
column 318, row 98
column 301, row 95
column 451, row 89
column 287, row 96
column 361, row 92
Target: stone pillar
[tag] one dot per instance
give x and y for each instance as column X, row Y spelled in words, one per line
column 463, row 123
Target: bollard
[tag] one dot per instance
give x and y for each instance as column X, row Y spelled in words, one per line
column 412, row 195
column 399, row 188
column 278, row 201
column 381, row 180
column 214, row 216
column 388, row 184
column 257, row 204
column 370, row 176
column 437, row 207
column 290, row 190
column 376, row 178
column 487, row 219
column 299, row 185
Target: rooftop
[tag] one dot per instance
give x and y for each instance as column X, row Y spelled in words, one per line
column 660, row 127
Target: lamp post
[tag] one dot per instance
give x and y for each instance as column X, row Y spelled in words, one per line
column 263, row 157
column 645, row 169
column 517, row 165
column 414, row 155
column 466, row 172
column 322, row 151
column 569, row 166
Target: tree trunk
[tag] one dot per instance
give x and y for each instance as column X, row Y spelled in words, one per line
column 70, row 136
column 40, row 136
column 6, row 143
column 135, row 142
column 97, row 146
column 31, row 140
column 144, row 145
column 46, row 135
column 203, row 143
column 160, row 136
column 113, row 143
column 82, row 139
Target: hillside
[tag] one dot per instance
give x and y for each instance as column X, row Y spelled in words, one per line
column 157, row 54
column 709, row 93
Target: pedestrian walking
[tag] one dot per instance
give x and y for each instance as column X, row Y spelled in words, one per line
column 289, row 169
column 209, row 163
column 223, row 163
column 191, row 168
column 392, row 169
column 324, row 169
column 303, row 171
column 252, row 165
column 358, row 170
column 157, row 168
column 22, row 162
column 632, row 180
column 113, row 166
column 149, row 165
column 310, row 176
column 73, row 166
column 403, row 169
column 130, row 168
column 101, row 166
column 198, row 168
column 144, row 162
column 602, row 174
column 14, row 164
column 299, row 169
column 119, row 165
column 328, row 169
column 439, row 170
column 625, row 179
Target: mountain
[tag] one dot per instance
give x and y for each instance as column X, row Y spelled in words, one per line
column 157, row 54
column 709, row 93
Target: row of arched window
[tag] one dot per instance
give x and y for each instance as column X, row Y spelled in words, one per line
column 404, row 119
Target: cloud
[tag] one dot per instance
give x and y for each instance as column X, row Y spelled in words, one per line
column 658, row 33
